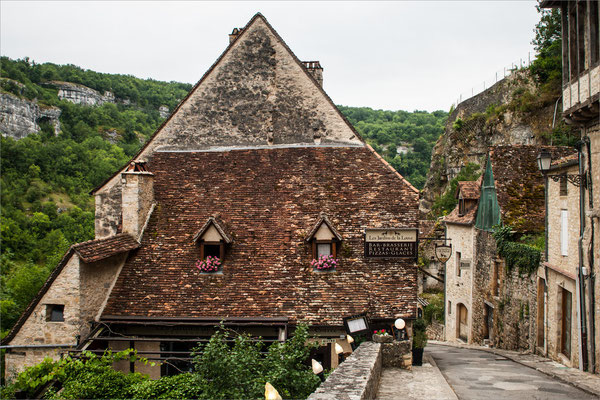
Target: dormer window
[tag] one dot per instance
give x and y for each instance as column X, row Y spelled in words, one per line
column 324, row 240
column 212, row 241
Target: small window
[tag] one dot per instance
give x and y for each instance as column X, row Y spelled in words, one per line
column 563, row 185
column 449, row 307
column 55, row 312
column 324, row 249
column 212, row 250
column 564, row 232
column 458, row 263
column 496, row 278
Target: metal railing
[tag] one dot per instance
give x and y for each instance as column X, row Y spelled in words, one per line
column 491, row 80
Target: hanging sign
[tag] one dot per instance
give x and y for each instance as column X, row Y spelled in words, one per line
column 391, row 243
column 443, row 252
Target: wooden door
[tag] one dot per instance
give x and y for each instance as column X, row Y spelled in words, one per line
column 463, row 322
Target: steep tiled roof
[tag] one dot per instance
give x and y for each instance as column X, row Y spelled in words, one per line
column 96, row 250
column 469, row 189
column 520, row 184
column 466, row 219
column 269, row 199
column 565, row 161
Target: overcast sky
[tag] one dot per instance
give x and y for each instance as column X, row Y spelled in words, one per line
column 392, row 55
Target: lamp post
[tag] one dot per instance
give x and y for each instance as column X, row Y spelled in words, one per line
column 400, row 332
column 318, row 369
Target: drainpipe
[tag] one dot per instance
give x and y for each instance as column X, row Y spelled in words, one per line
column 581, row 277
column 590, row 273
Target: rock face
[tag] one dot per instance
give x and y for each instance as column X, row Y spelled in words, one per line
column 20, row 117
column 163, row 111
column 79, row 94
column 493, row 117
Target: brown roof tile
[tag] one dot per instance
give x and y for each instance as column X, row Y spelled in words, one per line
column 269, row 200
column 469, row 189
column 99, row 249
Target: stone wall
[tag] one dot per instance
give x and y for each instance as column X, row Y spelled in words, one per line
column 38, row 331
column 20, row 117
column 397, row 354
column 436, row 331
column 96, row 281
column 513, row 310
column 356, row 378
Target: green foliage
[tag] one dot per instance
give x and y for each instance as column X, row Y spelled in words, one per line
column 547, row 67
column 445, row 203
column 88, row 377
column 419, row 334
column 517, row 255
column 240, row 372
column 223, row 370
column 434, row 311
column 386, row 131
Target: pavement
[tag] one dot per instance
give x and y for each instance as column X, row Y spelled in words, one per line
column 588, row 383
column 476, row 374
column 424, row 382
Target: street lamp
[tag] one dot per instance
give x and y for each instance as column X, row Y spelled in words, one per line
column 318, row 369
column 350, row 340
column 399, row 324
column 544, row 159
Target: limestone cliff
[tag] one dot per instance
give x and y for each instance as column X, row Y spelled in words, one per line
column 80, row 94
column 20, row 117
column 510, row 112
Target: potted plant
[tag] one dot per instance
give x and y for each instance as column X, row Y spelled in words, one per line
column 381, row 336
column 419, row 341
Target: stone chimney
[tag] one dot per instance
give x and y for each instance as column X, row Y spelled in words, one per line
column 315, row 69
column 234, row 34
column 137, row 197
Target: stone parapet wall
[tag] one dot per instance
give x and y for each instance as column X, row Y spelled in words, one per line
column 397, row 354
column 356, row 378
column 435, row 331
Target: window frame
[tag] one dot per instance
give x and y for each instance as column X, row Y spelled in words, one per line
column 49, row 312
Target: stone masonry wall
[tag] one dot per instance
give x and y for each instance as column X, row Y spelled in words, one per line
column 514, row 309
column 37, row 331
column 356, row 378
column 96, row 281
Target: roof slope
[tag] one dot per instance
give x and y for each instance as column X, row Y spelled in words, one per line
column 256, row 93
column 96, row 250
column 269, row 200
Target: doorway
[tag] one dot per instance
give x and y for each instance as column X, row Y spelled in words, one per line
column 488, row 322
column 463, row 324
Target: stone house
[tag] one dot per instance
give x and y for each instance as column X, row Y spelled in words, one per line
column 557, row 305
column 486, row 302
column 257, row 168
column 581, row 109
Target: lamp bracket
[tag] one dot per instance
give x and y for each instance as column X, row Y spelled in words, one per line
column 575, row 179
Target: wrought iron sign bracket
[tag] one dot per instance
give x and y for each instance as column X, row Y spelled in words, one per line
column 575, row 179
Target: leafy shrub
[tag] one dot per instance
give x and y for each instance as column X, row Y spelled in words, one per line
column 517, row 255
column 419, row 334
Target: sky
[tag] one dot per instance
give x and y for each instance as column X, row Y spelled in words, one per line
column 393, row 55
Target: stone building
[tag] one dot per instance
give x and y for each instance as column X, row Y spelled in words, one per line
column 557, row 304
column 258, row 168
column 486, row 302
column 581, row 92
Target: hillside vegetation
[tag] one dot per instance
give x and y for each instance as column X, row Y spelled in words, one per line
column 46, row 179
